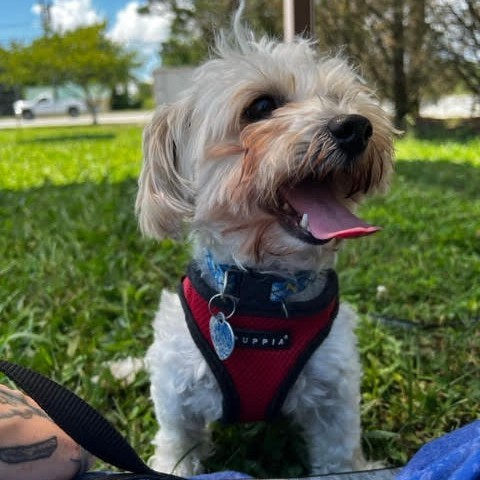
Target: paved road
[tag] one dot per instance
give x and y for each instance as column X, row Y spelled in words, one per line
column 140, row 117
column 448, row 107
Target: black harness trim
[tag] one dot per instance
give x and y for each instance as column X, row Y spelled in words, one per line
column 250, row 305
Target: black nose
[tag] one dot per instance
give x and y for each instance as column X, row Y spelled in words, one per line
column 351, row 132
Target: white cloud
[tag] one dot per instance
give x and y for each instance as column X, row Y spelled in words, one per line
column 70, row 14
column 143, row 33
column 137, row 30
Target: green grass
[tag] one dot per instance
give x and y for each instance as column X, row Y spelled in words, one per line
column 78, row 287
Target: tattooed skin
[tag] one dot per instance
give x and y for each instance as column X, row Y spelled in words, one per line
column 29, row 453
column 20, row 406
column 83, row 462
column 32, row 446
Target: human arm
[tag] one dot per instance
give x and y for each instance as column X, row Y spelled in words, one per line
column 32, row 447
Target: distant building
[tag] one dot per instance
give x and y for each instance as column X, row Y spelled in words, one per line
column 169, row 82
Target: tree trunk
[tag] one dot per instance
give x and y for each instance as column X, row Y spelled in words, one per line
column 399, row 81
column 91, row 104
column 417, row 74
column 93, row 112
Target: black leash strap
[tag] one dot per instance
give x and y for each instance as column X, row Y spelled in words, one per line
column 82, row 423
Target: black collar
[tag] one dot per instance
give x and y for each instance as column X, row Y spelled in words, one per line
column 251, row 292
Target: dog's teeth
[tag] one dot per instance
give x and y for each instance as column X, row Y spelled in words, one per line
column 304, row 221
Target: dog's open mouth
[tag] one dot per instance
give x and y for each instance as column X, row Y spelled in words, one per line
column 311, row 212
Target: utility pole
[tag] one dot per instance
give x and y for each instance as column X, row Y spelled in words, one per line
column 46, row 16
column 298, row 19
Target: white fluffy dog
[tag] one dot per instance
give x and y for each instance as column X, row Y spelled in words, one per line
column 263, row 161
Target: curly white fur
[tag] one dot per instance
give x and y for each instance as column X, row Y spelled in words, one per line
column 211, row 171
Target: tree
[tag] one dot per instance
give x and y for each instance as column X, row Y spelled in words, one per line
column 393, row 43
column 458, row 27
column 84, row 57
column 195, row 23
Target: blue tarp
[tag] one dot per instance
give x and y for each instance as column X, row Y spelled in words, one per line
column 455, row 456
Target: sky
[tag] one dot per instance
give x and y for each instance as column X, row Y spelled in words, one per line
column 20, row 21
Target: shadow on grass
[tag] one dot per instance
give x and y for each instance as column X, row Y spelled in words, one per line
column 93, row 222
column 69, row 138
column 81, row 206
column 451, row 129
column 463, row 179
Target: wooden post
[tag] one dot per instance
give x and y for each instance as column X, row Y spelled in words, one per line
column 298, row 19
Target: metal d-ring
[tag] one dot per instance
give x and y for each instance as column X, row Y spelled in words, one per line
column 223, row 296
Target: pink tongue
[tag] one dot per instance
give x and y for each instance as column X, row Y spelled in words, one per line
column 327, row 218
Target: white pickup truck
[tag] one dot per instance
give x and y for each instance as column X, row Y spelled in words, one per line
column 45, row 104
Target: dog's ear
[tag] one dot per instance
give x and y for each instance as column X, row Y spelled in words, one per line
column 165, row 197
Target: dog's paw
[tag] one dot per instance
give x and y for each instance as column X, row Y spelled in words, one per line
column 182, row 467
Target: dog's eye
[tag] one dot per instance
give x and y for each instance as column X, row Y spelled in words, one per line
column 260, row 108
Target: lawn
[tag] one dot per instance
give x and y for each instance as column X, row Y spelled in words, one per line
column 78, row 288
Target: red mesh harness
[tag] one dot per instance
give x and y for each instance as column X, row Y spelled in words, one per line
column 270, row 350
